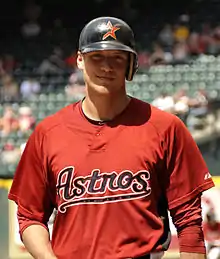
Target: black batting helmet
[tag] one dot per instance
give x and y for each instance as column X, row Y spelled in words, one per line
column 109, row 33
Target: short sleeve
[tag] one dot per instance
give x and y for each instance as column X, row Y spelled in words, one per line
column 187, row 173
column 30, row 186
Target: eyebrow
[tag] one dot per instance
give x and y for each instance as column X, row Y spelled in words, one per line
column 120, row 52
column 114, row 52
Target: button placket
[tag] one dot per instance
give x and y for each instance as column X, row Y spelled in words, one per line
column 98, row 131
column 98, row 141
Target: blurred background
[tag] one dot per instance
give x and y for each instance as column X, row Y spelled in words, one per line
column 178, row 45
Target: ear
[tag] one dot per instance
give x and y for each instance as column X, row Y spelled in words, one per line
column 80, row 61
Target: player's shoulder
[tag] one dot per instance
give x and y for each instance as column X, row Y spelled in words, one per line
column 54, row 120
column 160, row 119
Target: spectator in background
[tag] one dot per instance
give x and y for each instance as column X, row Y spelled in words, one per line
column 58, row 33
column 205, row 36
column 71, row 60
column 57, row 57
column 181, row 100
column 9, row 63
column 180, row 52
column 181, row 33
column 160, row 56
column 164, row 102
column 214, row 44
column 200, row 99
column 26, row 120
column 2, row 70
column 198, row 112
column 157, row 55
column 166, row 37
column 31, row 28
column 55, row 64
column 9, row 91
column 194, row 46
column 9, row 122
column 143, row 59
column 76, row 86
column 29, row 88
column 181, row 29
column 10, row 154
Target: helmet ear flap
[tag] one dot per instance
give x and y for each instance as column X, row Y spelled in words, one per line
column 132, row 66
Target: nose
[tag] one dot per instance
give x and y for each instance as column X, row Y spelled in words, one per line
column 106, row 65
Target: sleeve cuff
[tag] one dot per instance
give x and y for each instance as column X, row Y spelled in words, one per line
column 203, row 187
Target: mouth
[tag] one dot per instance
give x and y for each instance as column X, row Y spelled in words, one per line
column 107, row 78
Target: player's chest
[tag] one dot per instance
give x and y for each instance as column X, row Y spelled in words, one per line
column 104, row 168
column 106, row 150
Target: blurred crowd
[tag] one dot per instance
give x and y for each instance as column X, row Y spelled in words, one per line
column 42, row 68
column 168, row 41
column 193, row 110
column 20, row 121
column 178, row 43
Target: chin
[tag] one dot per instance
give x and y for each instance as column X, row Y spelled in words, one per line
column 105, row 88
column 101, row 89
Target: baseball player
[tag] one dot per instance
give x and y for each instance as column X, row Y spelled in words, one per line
column 112, row 166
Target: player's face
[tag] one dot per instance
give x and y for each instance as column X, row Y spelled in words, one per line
column 104, row 71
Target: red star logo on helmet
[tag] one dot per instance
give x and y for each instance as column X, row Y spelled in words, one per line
column 111, row 32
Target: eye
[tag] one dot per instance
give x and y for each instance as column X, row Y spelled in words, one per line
column 97, row 57
column 120, row 58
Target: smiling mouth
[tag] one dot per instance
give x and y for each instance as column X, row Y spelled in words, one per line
column 106, row 78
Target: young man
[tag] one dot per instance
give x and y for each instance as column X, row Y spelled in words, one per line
column 111, row 165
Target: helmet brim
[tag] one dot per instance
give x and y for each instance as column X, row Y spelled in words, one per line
column 106, row 45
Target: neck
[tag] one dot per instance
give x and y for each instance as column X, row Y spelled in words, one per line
column 104, row 107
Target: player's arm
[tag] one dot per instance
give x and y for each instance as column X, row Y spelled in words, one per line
column 187, row 219
column 32, row 230
column 40, row 249
column 31, row 192
column 187, row 178
column 192, row 256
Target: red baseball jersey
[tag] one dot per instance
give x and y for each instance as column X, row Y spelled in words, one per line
column 107, row 180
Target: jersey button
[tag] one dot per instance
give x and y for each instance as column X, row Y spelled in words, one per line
column 98, row 134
